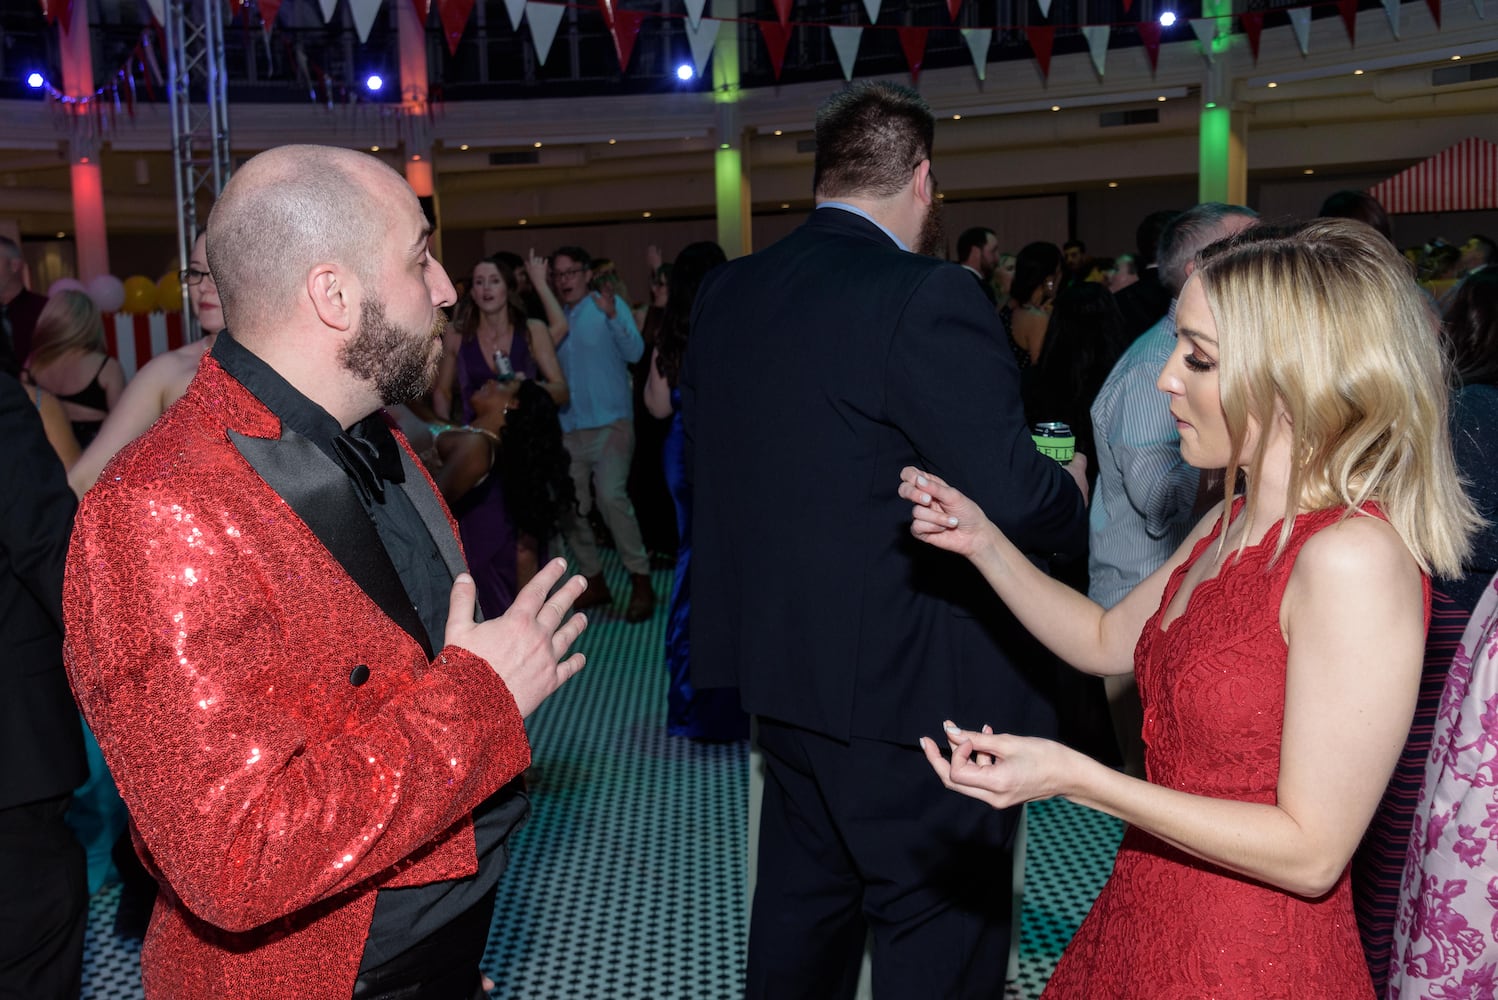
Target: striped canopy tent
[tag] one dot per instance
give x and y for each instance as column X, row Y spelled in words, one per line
column 1463, row 178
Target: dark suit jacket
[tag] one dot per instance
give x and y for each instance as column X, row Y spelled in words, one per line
column 41, row 741
column 816, row 370
column 22, row 312
column 986, row 287
column 1143, row 304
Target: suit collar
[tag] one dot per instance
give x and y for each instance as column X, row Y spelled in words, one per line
column 834, row 216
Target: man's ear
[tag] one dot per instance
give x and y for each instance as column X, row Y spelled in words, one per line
column 925, row 187
column 333, row 292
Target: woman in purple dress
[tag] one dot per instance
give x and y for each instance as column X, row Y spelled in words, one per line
column 491, row 338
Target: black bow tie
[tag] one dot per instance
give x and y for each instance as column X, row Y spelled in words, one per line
column 368, row 453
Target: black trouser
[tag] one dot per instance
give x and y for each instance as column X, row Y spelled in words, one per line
column 862, row 837
column 43, row 902
column 443, row 966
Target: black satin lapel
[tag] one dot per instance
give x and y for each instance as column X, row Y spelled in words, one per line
column 424, row 499
column 320, row 493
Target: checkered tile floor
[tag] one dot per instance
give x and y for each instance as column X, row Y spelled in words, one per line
column 628, row 882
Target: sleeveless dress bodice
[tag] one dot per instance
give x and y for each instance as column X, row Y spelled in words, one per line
column 1167, row 924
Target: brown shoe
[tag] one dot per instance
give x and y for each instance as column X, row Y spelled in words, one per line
column 641, row 599
column 596, row 594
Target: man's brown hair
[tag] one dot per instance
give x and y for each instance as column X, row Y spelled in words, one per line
column 870, row 136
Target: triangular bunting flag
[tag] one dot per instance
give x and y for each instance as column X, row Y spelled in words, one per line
column 1149, row 37
column 327, row 7
column 913, row 44
column 1300, row 23
column 158, row 10
column 978, row 42
column 1128, row 5
column 953, row 6
column 1253, row 27
column 626, row 29
column 1097, row 44
column 1041, row 39
column 454, row 17
column 777, row 37
column 783, row 11
column 1045, row 8
column 543, row 19
column 364, row 12
column 1391, row 11
column 845, row 41
column 268, row 11
column 516, row 10
column 702, row 37
column 694, row 11
column 1206, row 30
column 423, row 11
column 1349, row 12
column 1435, row 10
column 871, row 7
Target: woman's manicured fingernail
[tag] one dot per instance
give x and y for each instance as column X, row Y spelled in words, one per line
column 951, row 522
column 920, row 480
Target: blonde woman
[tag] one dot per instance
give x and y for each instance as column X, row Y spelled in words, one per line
column 68, row 360
column 1278, row 651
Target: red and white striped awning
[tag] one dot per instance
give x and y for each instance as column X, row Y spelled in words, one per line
column 136, row 339
column 1463, row 178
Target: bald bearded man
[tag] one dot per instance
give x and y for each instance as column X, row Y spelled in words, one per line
column 270, row 629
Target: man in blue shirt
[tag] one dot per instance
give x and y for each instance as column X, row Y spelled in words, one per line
column 598, row 427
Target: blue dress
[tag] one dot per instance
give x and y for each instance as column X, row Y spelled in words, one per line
column 714, row 713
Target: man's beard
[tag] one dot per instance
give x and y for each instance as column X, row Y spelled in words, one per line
column 932, row 239
column 402, row 364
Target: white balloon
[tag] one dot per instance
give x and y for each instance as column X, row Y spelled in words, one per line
column 108, row 293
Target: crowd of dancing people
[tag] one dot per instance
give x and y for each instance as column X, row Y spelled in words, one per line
column 1251, row 612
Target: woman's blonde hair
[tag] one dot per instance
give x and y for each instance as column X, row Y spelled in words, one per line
column 1323, row 323
column 69, row 321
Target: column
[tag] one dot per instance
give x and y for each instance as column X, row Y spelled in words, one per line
column 730, row 160
column 416, row 129
column 1223, row 132
column 90, row 235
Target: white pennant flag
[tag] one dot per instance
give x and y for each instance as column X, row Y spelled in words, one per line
column 1045, row 8
column 702, row 37
column 328, row 7
column 845, row 40
column 516, row 10
column 364, row 12
column 1097, row 44
column 978, row 41
column 1206, row 30
column 1391, row 10
column 1300, row 23
column 543, row 19
column 871, row 7
column 158, row 10
column 694, row 11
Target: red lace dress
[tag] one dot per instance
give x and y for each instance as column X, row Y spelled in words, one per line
column 1168, row 926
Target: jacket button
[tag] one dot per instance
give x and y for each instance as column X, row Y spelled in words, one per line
column 358, row 675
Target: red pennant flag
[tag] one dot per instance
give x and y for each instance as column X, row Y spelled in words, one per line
column 953, row 6
column 1128, row 5
column 626, row 29
column 1253, row 26
column 913, row 44
column 422, row 11
column 1041, row 38
column 777, row 37
column 268, row 11
column 1435, row 10
column 783, row 11
column 454, row 17
column 1149, row 35
column 1349, row 9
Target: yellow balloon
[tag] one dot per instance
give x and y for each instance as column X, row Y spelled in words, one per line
column 140, row 294
column 169, row 293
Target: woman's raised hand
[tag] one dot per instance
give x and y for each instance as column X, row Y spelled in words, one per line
column 942, row 516
column 535, row 266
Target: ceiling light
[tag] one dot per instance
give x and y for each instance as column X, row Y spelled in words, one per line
column 1271, row 85
column 536, row 144
column 723, row 145
column 684, row 72
column 62, row 235
column 778, row 132
column 416, row 157
column 1308, row 170
column 522, row 222
column 957, row 118
column 374, row 82
column 644, row 215
column 1357, row 72
column 613, row 141
column 1161, row 98
column 785, row 204
column 1167, row 18
column 374, row 149
column 1055, row 107
column 464, row 146
column 1455, row 58
column 35, row 81
column 1113, row 184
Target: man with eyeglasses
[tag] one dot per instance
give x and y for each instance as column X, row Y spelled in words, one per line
column 160, row 382
column 19, row 307
column 598, row 428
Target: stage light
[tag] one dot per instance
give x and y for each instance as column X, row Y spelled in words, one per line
column 35, row 81
column 1167, row 19
column 374, row 82
column 684, row 72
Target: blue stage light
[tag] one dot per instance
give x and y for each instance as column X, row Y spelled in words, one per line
column 374, row 82
column 35, row 81
column 1167, row 19
column 685, row 72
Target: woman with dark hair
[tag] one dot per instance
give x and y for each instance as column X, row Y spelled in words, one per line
column 713, row 714
column 1037, row 275
column 490, row 340
column 1359, row 205
column 1387, row 910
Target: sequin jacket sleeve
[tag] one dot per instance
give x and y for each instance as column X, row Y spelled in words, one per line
column 220, row 655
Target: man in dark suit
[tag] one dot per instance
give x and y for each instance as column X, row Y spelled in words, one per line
column 978, row 253
column 43, row 879
column 19, row 308
column 817, row 369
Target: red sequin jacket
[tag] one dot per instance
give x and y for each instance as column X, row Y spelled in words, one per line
column 210, row 641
